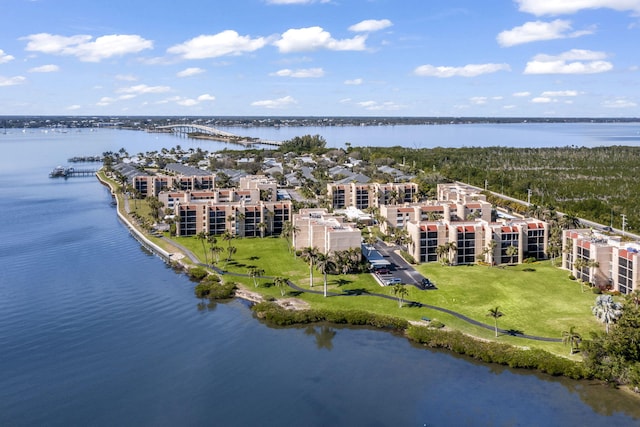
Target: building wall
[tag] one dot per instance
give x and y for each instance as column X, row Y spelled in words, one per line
column 317, row 228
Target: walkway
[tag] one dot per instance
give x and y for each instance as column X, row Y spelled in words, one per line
column 372, row 294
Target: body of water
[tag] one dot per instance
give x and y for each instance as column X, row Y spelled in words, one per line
column 96, row 331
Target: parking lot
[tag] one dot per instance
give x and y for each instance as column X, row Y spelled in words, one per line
column 398, row 270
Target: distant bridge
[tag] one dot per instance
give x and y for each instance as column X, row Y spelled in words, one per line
column 213, row 132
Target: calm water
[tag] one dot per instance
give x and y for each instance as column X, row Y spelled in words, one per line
column 96, row 331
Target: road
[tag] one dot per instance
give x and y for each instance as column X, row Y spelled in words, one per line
column 402, row 269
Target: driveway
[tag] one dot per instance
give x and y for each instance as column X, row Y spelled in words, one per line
column 402, row 269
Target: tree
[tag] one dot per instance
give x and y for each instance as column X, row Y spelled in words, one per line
column 281, row 283
column 511, row 252
column 572, row 338
column 323, row 263
column 230, row 250
column 227, row 236
column 491, row 250
column 579, row 265
column 309, row 254
column 202, row 236
column 289, row 232
column 441, row 252
column 262, row 227
column 592, row 264
column 254, row 273
column 215, row 253
column 401, row 292
column 606, row 310
column 452, row 248
column 496, row 314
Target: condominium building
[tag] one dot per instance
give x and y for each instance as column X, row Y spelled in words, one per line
column 326, row 232
column 363, row 196
column 604, row 261
column 252, row 219
column 152, row 185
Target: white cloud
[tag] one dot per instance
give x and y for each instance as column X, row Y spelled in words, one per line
column 188, row 72
column 74, row 107
column 470, row 70
column 300, row 73
column 354, row 82
column 82, row 46
column 314, row 38
column 370, row 25
column 227, row 42
column 521, row 94
column 619, row 103
column 12, row 81
column 275, row 103
column 126, row 78
column 377, row 106
column 143, row 89
column 187, row 102
column 538, row 30
column 104, row 101
column 5, row 57
column 556, row 7
column 555, row 93
column 575, row 61
column 478, row 100
column 541, row 100
column 206, row 97
column 49, row 68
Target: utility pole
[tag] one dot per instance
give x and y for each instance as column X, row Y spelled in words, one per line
column 624, row 222
column 529, row 196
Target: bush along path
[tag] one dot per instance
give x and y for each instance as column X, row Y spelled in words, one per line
column 297, row 288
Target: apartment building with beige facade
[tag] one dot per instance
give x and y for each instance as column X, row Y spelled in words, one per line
column 606, row 261
column 364, row 196
column 324, row 231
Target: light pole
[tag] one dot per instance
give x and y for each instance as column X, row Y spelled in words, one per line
column 529, row 196
column 624, row 222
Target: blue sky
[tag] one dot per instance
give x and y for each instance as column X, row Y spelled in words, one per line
column 548, row 58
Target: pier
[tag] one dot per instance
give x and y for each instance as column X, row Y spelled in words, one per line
column 62, row 172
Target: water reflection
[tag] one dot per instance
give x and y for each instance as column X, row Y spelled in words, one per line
column 323, row 334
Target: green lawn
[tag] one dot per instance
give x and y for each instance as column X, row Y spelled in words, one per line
column 536, row 299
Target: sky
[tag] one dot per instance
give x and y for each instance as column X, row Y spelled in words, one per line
column 420, row 58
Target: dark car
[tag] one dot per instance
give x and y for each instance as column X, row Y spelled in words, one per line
column 427, row 284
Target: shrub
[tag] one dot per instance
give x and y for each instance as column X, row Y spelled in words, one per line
column 213, row 289
column 596, row 290
column 197, row 273
column 572, row 277
column 436, row 324
column 529, row 260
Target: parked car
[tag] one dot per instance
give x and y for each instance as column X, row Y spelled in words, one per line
column 382, row 271
column 427, row 284
column 391, row 281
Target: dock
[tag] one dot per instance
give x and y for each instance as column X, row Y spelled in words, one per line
column 62, row 172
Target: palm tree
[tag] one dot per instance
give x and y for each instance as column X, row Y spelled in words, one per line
column 400, row 291
column 323, row 263
column 592, row 264
column 496, row 314
column 572, row 338
column 491, row 250
column 215, row 253
column 228, row 237
column 511, row 252
column 579, row 265
column 262, row 227
column 309, row 254
column 569, row 221
column 281, row 283
column 231, row 250
column 289, row 232
column 254, row 273
column 607, row 310
column 442, row 251
column 452, row 248
column 202, row 236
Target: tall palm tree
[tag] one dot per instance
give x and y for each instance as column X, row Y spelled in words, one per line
column 607, row 310
column 254, row 273
column 227, row 236
column 511, row 252
column 496, row 314
column 400, row 291
column 579, row 265
column 323, row 263
column 310, row 254
column 492, row 248
column 441, row 252
column 262, row 227
column 592, row 264
column 202, row 236
column 452, row 248
column 572, row 338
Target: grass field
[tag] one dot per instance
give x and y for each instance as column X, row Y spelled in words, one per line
column 536, row 299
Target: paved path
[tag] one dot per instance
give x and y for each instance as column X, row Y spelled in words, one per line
column 371, row 294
